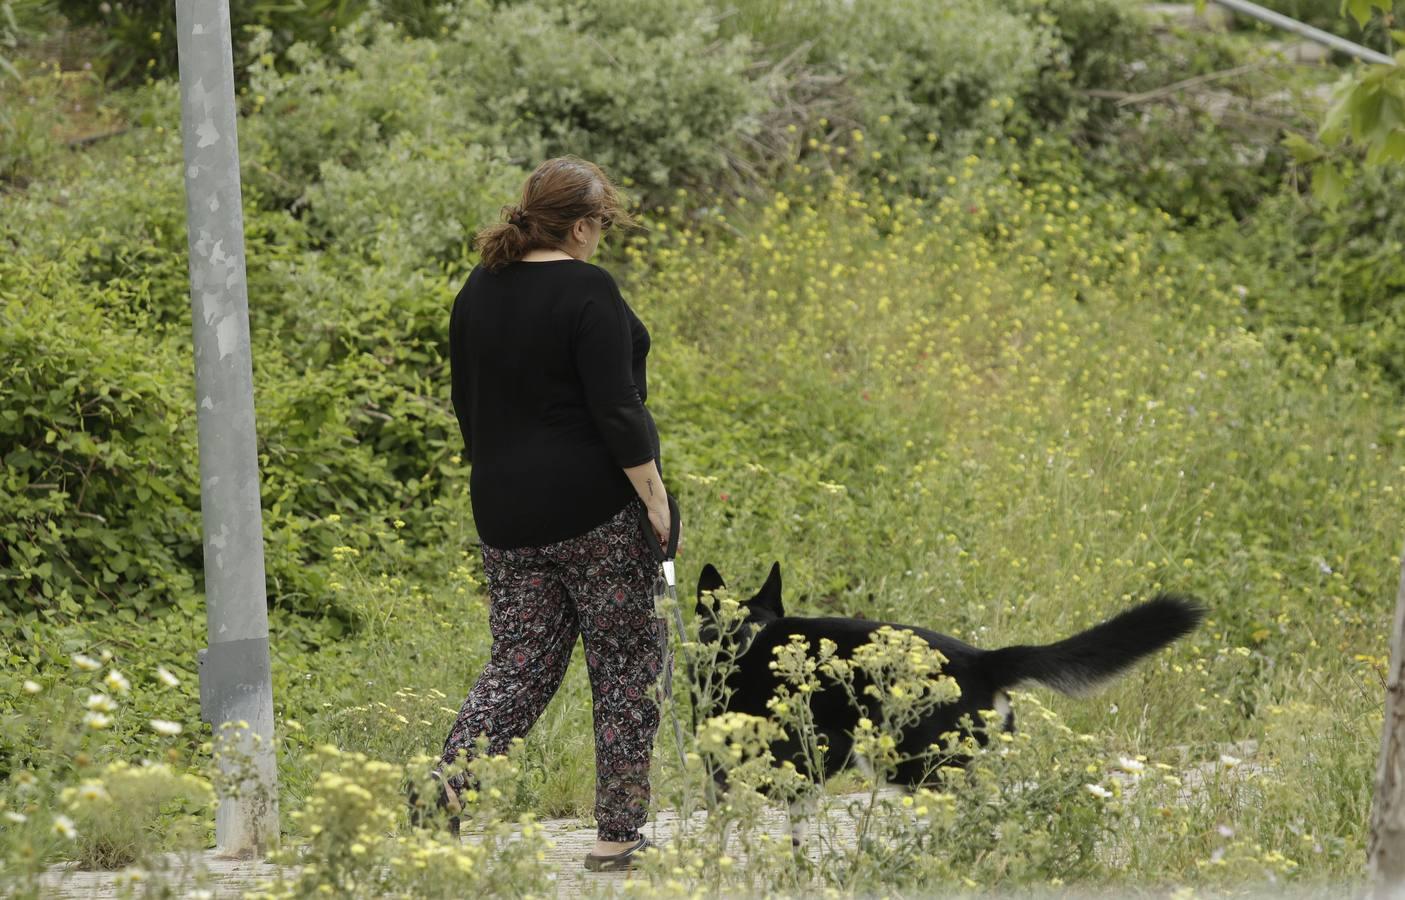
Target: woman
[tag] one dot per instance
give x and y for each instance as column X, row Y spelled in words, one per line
column 547, row 365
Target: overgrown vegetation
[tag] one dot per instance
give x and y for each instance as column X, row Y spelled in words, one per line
column 939, row 321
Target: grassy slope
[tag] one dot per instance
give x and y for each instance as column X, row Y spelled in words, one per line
column 1003, row 414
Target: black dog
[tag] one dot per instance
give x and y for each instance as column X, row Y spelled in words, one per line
column 1075, row 665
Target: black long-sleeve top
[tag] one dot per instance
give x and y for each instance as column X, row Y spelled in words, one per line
column 548, row 385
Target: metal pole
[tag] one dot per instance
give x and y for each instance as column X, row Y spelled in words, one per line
column 1385, row 851
column 235, row 683
column 1253, row 10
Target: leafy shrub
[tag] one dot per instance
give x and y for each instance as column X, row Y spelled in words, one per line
column 100, row 492
column 413, row 198
column 1339, row 283
column 1101, row 45
column 141, row 34
column 340, row 109
column 655, row 107
column 656, row 98
column 922, row 76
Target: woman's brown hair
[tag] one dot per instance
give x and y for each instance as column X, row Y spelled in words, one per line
column 557, row 194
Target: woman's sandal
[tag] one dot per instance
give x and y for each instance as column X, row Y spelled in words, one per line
column 616, row 862
column 419, row 817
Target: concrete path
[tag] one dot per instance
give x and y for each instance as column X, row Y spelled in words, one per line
column 227, row 878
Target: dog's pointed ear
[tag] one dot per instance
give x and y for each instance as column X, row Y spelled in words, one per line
column 769, row 598
column 709, row 580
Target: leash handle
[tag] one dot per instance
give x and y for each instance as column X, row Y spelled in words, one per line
column 664, row 555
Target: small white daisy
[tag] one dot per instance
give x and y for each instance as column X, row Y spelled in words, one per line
column 117, row 682
column 1130, row 766
column 63, row 827
column 167, row 728
column 101, row 703
column 166, row 678
column 32, row 687
column 1097, row 790
column 97, row 721
column 86, row 663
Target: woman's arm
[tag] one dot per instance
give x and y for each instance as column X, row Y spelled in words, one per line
column 649, row 486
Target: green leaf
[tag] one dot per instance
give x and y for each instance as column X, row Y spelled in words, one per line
column 1303, row 150
column 1331, row 132
column 1360, row 10
column 1328, row 185
column 1365, row 112
column 1394, row 146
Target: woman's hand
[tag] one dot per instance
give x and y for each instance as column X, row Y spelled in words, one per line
column 649, row 486
column 658, row 517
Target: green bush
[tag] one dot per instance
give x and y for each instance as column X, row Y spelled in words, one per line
column 658, row 98
column 340, row 110
column 140, row 35
column 1339, row 282
column 414, row 198
column 101, row 486
column 100, row 491
column 1102, row 45
column 657, row 106
column 918, row 77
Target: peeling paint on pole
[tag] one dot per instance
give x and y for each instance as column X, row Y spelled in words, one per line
column 235, row 684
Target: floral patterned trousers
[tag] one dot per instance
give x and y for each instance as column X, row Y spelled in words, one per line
column 598, row 585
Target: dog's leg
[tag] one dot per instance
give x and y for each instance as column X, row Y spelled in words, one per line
column 801, row 811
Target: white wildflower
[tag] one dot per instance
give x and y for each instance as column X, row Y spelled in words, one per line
column 166, row 678
column 1131, row 766
column 1228, row 761
column 101, row 703
column 63, row 827
column 131, row 875
column 165, row 727
column 117, row 682
column 32, row 687
column 97, row 721
column 1097, row 790
column 15, row 818
column 86, row 663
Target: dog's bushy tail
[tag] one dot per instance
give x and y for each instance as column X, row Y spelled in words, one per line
column 1084, row 662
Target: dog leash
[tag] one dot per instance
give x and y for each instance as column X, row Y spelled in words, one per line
column 666, row 589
